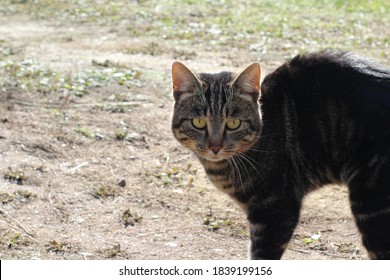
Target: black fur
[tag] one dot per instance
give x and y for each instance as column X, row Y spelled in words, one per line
column 325, row 118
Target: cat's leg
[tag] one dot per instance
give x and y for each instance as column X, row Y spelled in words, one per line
column 271, row 226
column 370, row 204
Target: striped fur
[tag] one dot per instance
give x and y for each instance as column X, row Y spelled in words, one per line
column 325, row 118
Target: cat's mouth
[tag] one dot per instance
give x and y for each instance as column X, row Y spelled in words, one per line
column 216, row 157
column 220, row 153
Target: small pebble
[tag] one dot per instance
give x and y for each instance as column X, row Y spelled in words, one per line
column 121, row 183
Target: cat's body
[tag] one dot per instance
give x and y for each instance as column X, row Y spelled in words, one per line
column 323, row 118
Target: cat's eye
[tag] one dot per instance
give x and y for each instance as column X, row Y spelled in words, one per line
column 233, row 124
column 198, row 123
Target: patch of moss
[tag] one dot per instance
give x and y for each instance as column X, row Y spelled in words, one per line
column 112, row 252
column 17, row 177
column 85, row 132
column 120, row 135
column 6, row 198
column 23, row 196
column 57, row 247
column 15, row 240
column 130, row 219
column 104, row 191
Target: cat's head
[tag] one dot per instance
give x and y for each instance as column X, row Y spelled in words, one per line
column 216, row 116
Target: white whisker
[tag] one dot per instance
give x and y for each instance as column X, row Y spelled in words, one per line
column 261, row 151
column 235, row 167
column 242, row 164
column 252, row 163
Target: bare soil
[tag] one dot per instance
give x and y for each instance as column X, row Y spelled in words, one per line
column 101, row 177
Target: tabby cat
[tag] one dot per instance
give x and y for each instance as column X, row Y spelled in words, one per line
column 321, row 118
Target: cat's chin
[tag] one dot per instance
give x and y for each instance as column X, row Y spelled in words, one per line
column 214, row 158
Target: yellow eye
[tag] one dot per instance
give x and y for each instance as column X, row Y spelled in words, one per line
column 198, row 123
column 233, row 124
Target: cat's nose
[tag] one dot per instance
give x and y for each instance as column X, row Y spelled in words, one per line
column 215, row 149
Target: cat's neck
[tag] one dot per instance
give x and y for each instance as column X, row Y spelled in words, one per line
column 219, row 172
column 227, row 177
column 213, row 164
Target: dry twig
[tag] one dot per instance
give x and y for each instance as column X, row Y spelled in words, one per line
column 11, row 220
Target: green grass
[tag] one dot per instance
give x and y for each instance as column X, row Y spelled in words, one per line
column 303, row 23
column 214, row 20
column 30, row 76
column 280, row 26
column 84, row 131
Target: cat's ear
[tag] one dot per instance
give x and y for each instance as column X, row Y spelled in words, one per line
column 184, row 81
column 248, row 81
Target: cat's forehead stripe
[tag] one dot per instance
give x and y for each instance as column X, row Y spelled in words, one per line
column 218, row 89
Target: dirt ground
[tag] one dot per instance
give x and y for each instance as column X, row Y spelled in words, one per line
column 101, row 177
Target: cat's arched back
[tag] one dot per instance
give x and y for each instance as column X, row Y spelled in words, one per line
column 320, row 118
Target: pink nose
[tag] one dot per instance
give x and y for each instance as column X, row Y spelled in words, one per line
column 216, row 149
